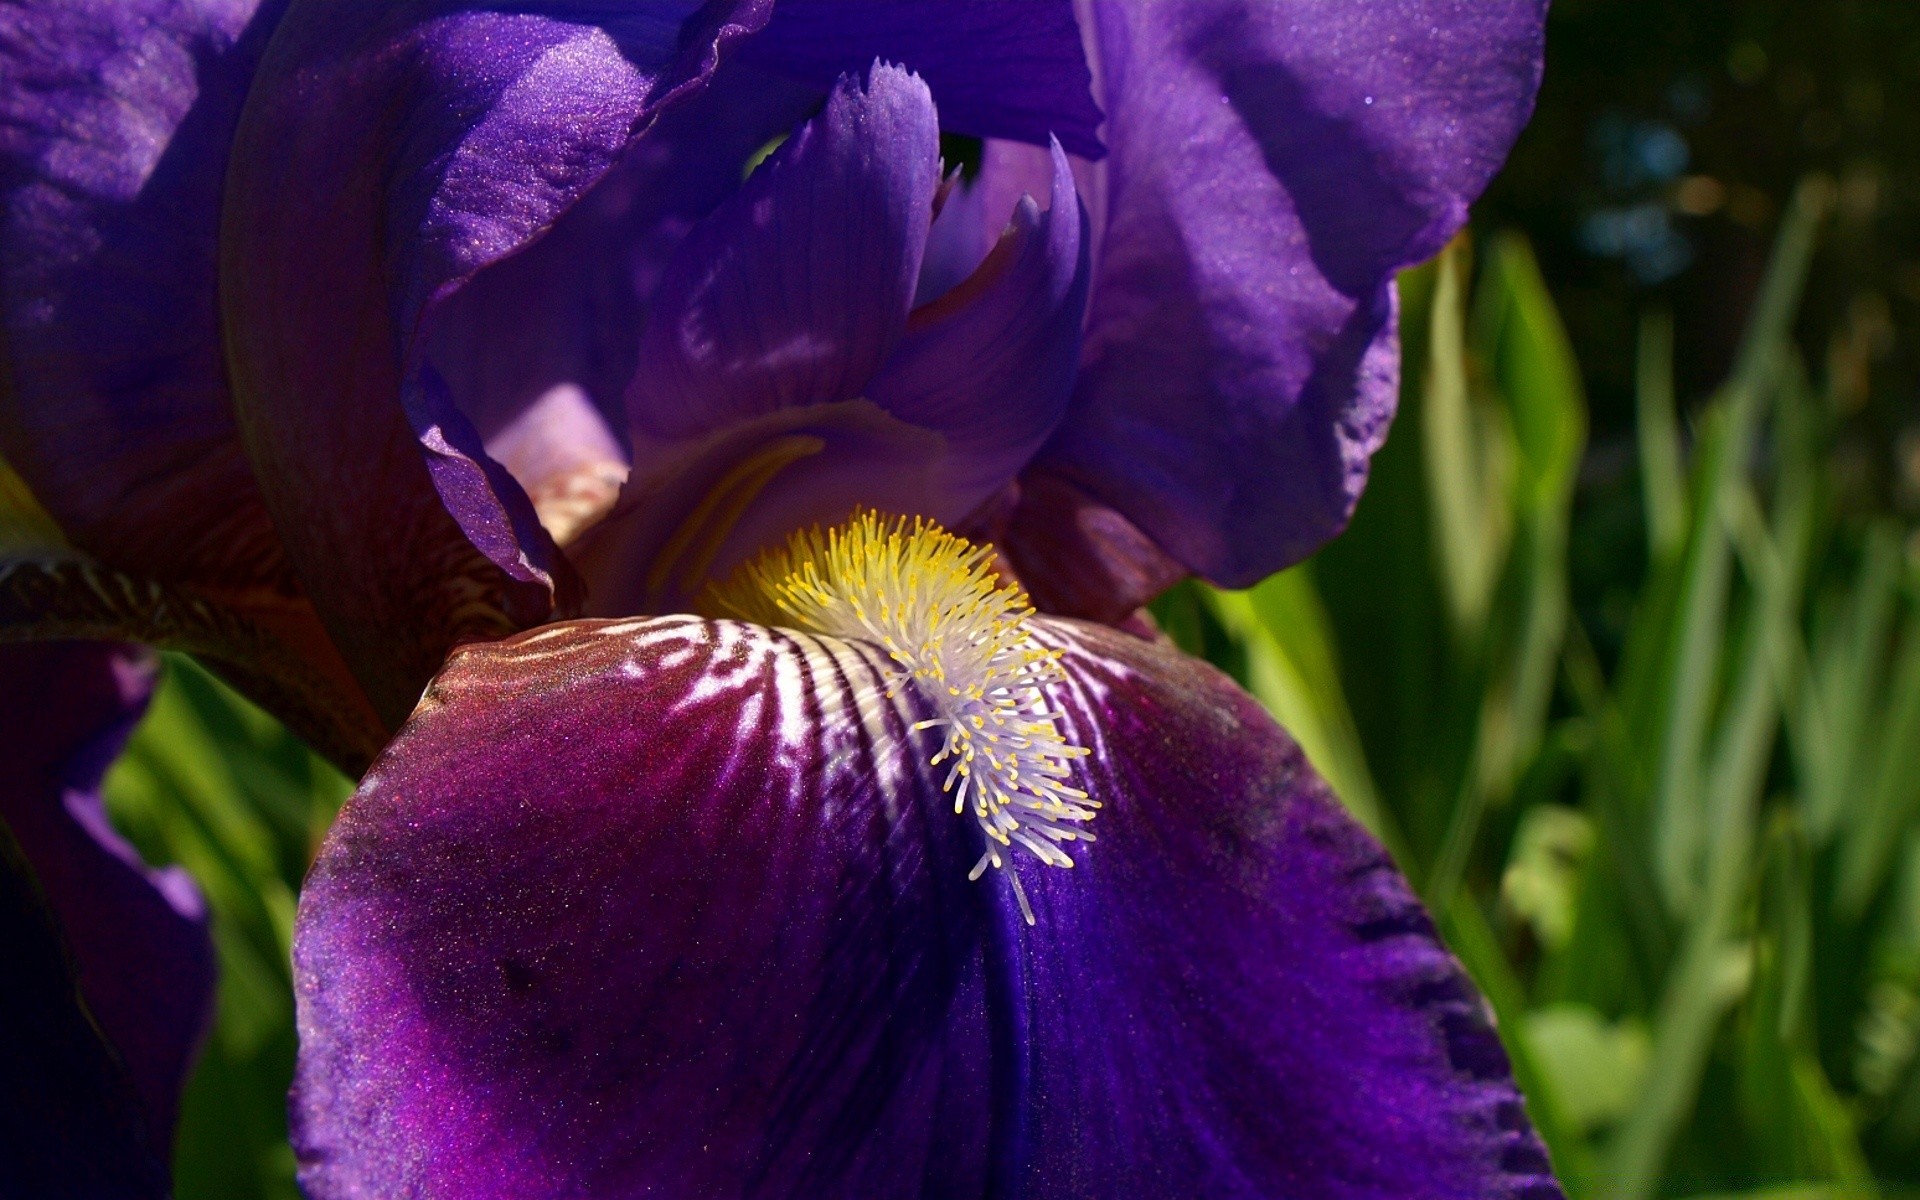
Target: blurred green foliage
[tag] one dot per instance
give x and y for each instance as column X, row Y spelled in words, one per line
column 1666, row 143
column 213, row 783
column 1686, row 872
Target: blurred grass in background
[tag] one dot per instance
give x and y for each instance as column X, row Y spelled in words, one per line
column 213, row 783
column 1688, row 879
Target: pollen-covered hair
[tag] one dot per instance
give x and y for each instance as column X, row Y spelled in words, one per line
column 961, row 638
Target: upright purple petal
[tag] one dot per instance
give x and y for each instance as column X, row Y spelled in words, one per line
column 773, row 317
column 797, row 288
column 723, row 943
column 996, row 69
column 1271, row 165
column 138, row 936
column 388, row 152
column 556, row 322
column 538, row 349
column 115, row 121
column 989, row 365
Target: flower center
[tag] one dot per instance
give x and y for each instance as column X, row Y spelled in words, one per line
column 961, row 638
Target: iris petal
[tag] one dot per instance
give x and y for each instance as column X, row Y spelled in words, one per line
column 554, row 329
column 1281, row 996
column 1271, row 165
column 722, row 974
column 989, row 365
column 797, row 288
column 676, row 907
column 998, row 70
column 137, row 936
column 114, row 132
column 770, row 323
column 450, row 135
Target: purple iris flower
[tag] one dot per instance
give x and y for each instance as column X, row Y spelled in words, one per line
column 387, row 330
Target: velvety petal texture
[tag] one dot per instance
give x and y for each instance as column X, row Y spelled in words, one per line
column 677, row 907
column 1271, row 164
column 137, row 936
column 115, row 123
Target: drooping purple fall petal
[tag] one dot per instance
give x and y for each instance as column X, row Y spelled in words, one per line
column 1271, row 164
column 675, row 907
column 70, row 1121
column 138, row 936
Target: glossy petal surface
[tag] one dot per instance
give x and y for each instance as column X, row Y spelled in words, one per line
column 675, row 907
column 115, row 123
column 1271, row 165
column 138, row 937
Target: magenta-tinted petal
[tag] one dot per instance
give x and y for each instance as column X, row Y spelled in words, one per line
column 589, row 929
column 387, row 153
column 1271, row 165
column 989, row 365
column 1075, row 556
column 138, row 936
column 996, row 69
column 677, row 907
column 115, row 121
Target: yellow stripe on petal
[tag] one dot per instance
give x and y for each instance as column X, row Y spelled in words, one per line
column 690, row 552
